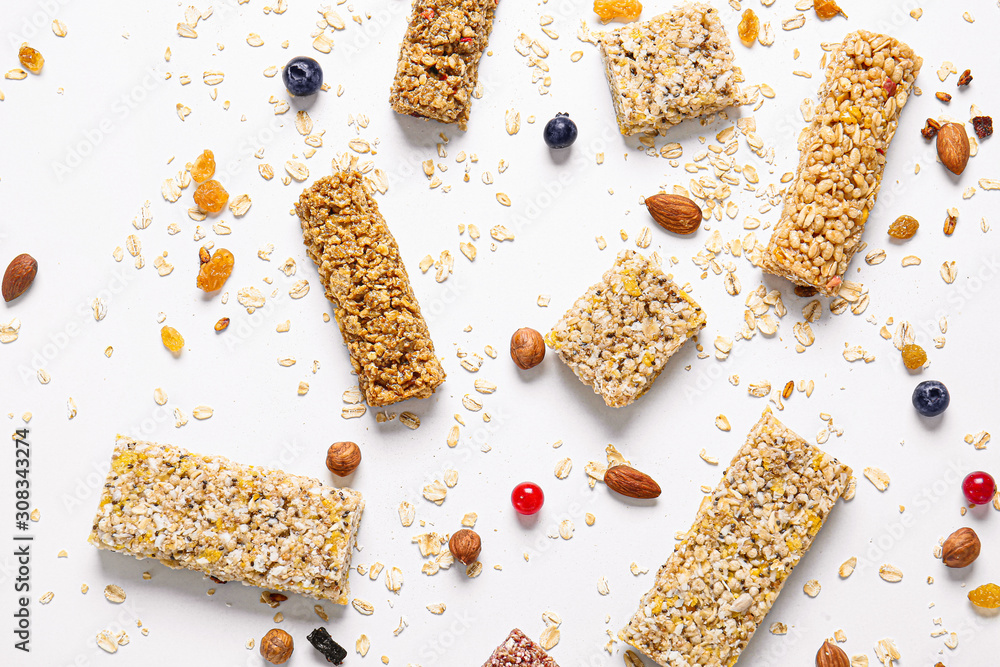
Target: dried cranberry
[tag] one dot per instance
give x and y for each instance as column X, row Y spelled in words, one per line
column 890, row 87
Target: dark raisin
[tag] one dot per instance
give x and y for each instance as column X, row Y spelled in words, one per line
column 803, row 291
column 966, row 78
column 322, row 642
column 983, row 125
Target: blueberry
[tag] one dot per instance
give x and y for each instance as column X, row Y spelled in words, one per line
column 560, row 132
column 302, row 76
column 931, row 398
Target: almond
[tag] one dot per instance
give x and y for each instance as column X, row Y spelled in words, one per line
column 18, row 277
column 953, row 147
column 831, row 655
column 961, row 548
column 675, row 213
column 631, row 483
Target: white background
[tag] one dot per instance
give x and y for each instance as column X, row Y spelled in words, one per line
column 88, row 141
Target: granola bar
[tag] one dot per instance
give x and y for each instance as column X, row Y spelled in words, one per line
column 618, row 336
column 843, row 151
column 438, row 66
column 519, row 651
column 673, row 67
column 234, row 522
column 724, row 576
column 378, row 314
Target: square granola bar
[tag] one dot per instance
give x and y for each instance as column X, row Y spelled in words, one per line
column 750, row 533
column 673, row 67
column 618, row 336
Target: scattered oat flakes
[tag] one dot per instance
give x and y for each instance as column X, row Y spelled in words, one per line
column 877, row 477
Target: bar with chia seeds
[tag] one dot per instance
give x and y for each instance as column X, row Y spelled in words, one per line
column 618, row 336
column 749, row 534
column 518, row 650
column 673, row 67
column 843, row 155
column 230, row 521
column 438, row 67
column 378, row 314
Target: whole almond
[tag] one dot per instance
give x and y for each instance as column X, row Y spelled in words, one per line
column 674, row 213
column 18, row 277
column 831, row 655
column 953, row 147
column 343, row 458
column 631, row 483
column 961, row 548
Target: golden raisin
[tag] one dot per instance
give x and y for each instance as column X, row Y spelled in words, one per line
column 622, row 10
column 222, row 324
column 827, row 9
column 214, row 273
column 30, row 59
column 904, row 227
column 914, row 356
column 211, row 197
column 749, row 28
column 203, row 167
column 172, row 339
column 986, row 596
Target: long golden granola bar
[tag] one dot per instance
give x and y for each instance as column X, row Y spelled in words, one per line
column 618, row 336
column 235, row 522
column 438, row 66
column 724, row 576
column 673, row 67
column 378, row 314
column 868, row 80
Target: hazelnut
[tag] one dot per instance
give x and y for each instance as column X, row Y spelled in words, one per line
column 961, row 548
column 831, row 655
column 276, row 646
column 465, row 546
column 343, row 458
column 527, row 348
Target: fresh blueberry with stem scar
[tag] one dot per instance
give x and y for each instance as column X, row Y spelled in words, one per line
column 302, row 76
column 560, row 132
column 931, row 398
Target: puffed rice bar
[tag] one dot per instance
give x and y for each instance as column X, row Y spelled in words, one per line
column 843, row 151
column 378, row 314
column 234, row 522
column 618, row 336
column 748, row 536
column 438, row 66
column 673, row 67
column 519, row 651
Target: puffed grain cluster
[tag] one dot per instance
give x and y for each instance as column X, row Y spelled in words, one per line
column 438, row 67
column 378, row 314
column 843, row 156
column 724, row 576
column 231, row 521
column 618, row 336
column 673, row 67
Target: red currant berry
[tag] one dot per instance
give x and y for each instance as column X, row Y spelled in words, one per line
column 979, row 488
column 527, row 498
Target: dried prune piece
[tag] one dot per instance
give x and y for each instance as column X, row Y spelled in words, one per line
column 983, row 125
column 322, row 642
